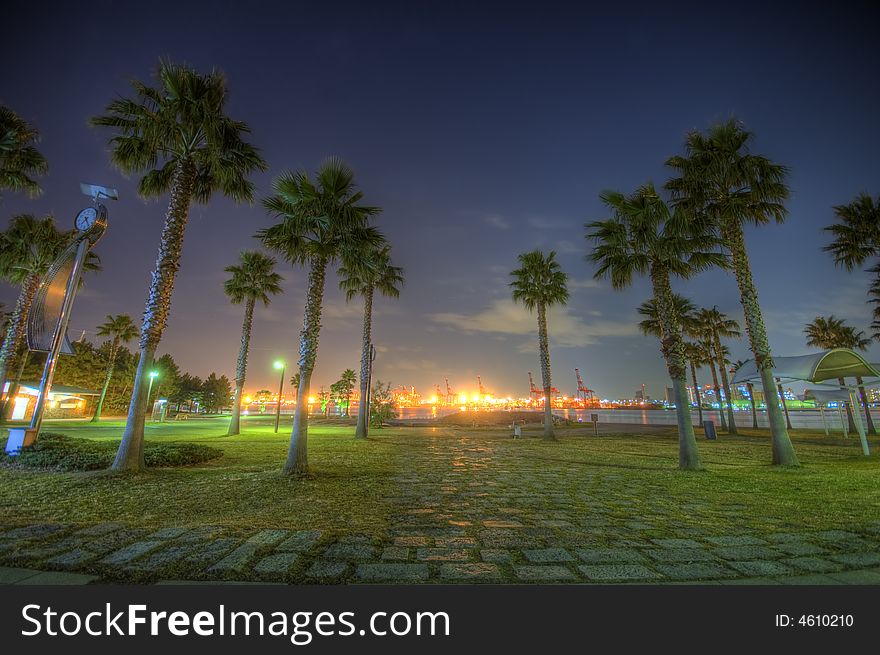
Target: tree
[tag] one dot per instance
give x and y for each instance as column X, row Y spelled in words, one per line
column 856, row 240
column 253, row 278
column 28, row 247
column 364, row 276
column 216, row 393
column 167, row 378
column 20, row 161
column 539, row 283
column 343, row 387
column 708, row 356
column 320, row 222
column 646, row 237
column 189, row 390
column 695, row 358
column 294, row 380
column 179, row 134
column 715, row 325
column 721, row 181
column 122, row 330
column 381, row 404
column 828, row 332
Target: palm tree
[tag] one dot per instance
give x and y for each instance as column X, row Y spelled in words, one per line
column 856, row 240
column 294, row 380
column 122, row 329
column 646, row 237
column 179, row 134
column 829, row 332
column 321, row 222
column 539, row 283
column 715, row 325
column 28, row 247
column 372, row 272
column 723, row 182
column 20, row 161
column 253, row 278
column 738, row 364
column 705, row 346
column 695, row 358
column 345, row 385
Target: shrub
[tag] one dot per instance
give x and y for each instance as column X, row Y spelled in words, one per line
column 61, row 453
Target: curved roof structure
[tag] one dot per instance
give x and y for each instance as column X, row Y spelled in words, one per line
column 827, row 365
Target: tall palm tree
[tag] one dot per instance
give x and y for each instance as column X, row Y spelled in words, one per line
column 122, row 329
column 368, row 274
column 539, row 283
column 253, row 278
column 28, row 248
column 829, row 332
column 320, row 222
column 178, row 132
column 856, row 240
column 705, row 346
column 646, row 237
column 721, row 180
column 716, row 325
column 738, row 364
column 20, row 161
column 346, row 385
column 294, row 380
column 695, row 358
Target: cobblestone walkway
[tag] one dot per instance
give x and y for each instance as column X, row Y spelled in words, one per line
column 465, row 516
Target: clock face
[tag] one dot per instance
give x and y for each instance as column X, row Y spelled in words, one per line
column 86, row 218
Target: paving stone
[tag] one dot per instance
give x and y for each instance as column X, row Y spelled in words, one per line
column 617, row 572
column 835, row 536
column 812, row 564
column 58, row 578
column 609, row 555
column 395, row 553
column 236, row 561
column 131, row 552
column 679, row 554
column 99, row 529
column 327, row 570
column 736, row 540
column 856, row 577
column 38, row 531
column 778, row 537
column 696, row 571
column 746, row 552
column 115, row 540
column 442, row 554
column 812, row 580
column 167, row 533
column 677, row 543
column 352, row 552
column 469, row 571
column 857, row 559
column 277, row 564
column 497, row 555
column 502, row 524
column 799, row 548
column 411, row 540
column 72, row 559
column 543, row 573
column 548, row 555
column 205, row 553
column 455, row 542
column 11, row 575
column 300, row 541
column 165, row 557
column 202, row 533
column 267, row 537
column 760, row 567
column 356, row 539
column 387, row 572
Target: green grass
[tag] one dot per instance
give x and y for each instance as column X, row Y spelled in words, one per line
column 358, row 487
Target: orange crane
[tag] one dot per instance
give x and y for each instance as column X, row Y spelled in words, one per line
column 582, row 392
column 450, row 394
column 439, row 394
column 533, row 390
column 480, row 388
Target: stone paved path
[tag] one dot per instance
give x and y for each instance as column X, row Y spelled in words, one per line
column 464, row 515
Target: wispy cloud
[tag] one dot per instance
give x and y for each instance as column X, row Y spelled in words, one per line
column 497, row 221
column 504, row 317
column 588, row 283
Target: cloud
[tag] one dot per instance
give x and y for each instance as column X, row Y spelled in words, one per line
column 505, row 317
column 497, row 221
column 588, row 283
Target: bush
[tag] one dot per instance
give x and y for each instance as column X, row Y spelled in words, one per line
column 61, row 453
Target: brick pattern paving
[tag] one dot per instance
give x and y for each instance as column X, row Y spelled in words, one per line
column 462, row 517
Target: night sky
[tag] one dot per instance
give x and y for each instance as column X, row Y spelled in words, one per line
column 482, row 133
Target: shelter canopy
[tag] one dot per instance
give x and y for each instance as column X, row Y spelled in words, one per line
column 818, row 367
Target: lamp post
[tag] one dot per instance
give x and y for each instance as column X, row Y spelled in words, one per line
column 279, row 365
column 153, row 376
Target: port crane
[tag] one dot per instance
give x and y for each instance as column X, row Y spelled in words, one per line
column 439, row 394
column 583, row 394
column 538, row 394
column 450, row 394
column 480, row 388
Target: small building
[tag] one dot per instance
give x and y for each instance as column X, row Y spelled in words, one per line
column 64, row 401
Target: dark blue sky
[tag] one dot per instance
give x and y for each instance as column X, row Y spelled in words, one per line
column 483, row 132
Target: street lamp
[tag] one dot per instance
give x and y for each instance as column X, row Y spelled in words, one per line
column 153, row 376
column 279, row 365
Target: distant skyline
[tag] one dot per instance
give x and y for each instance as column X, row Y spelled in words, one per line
column 483, row 132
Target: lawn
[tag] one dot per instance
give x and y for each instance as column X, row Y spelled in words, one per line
column 458, row 503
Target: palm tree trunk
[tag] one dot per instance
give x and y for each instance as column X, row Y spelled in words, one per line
column 672, row 348
column 864, row 398
column 241, row 368
column 297, row 453
column 725, row 385
column 130, row 456
column 97, row 416
column 851, row 424
column 697, row 392
column 783, row 451
column 784, row 404
column 717, row 391
column 15, row 329
column 751, row 389
column 363, row 410
column 544, row 348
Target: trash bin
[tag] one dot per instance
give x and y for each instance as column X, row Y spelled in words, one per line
column 709, row 430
